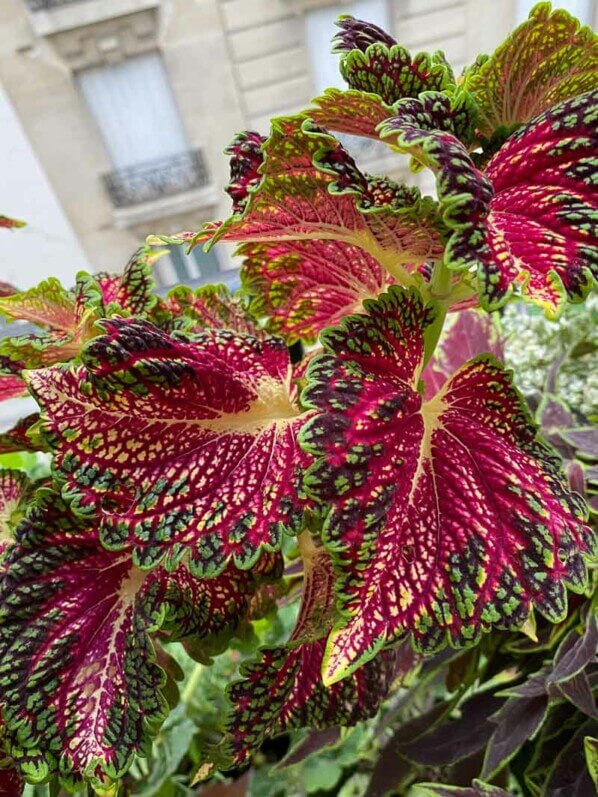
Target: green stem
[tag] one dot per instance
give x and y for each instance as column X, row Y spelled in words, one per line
column 440, row 292
column 192, row 683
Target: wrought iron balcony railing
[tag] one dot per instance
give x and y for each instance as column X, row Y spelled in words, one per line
column 151, row 180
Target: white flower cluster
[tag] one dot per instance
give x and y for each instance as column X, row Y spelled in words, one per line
column 533, row 344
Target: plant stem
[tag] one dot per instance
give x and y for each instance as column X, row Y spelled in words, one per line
column 191, row 684
column 440, row 292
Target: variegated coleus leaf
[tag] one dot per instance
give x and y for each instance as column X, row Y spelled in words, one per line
column 283, row 689
column 530, row 219
column 81, row 686
column 67, row 316
column 547, row 59
column 301, row 287
column 10, row 224
column 353, row 112
column 428, row 128
column 373, row 62
column 17, row 439
column 15, row 492
column 133, row 290
column 358, row 34
column 48, row 305
column 245, row 159
column 294, row 201
column 465, row 335
column 448, row 516
column 203, row 608
column 181, row 448
column 212, row 307
column 11, row 783
column 6, row 289
column 11, row 386
column 542, row 227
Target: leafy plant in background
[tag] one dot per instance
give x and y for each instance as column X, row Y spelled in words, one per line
column 376, row 534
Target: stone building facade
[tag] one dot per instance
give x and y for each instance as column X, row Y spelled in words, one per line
column 126, row 105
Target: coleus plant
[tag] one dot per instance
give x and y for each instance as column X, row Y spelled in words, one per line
column 393, row 483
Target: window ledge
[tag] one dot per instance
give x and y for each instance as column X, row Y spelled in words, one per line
column 77, row 14
column 206, row 197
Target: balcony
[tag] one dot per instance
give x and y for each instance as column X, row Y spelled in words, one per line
column 157, row 179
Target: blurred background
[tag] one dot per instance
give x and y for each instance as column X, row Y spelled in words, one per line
column 114, row 113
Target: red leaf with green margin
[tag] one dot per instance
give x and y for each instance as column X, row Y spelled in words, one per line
column 301, row 287
column 36, row 351
column 547, row 59
column 531, row 218
column 16, row 439
column 429, row 129
column 246, row 158
column 354, row 112
column 188, row 448
column 6, row 289
column 465, row 335
column 69, row 318
column 15, row 492
column 133, row 290
column 11, row 386
column 373, row 62
column 10, row 224
column 47, row 305
column 543, row 221
column 74, row 639
column 293, row 202
column 448, row 517
column 205, row 607
column 11, row 783
column 212, row 307
column 283, row 689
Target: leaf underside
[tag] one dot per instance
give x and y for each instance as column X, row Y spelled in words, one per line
column 298, row 198
column 547, row 59
column 542, row 225
column 301, row 287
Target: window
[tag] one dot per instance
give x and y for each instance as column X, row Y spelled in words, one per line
column 319, row 26
column 196, row 268
column 136, row 113
column 134, row 108
column 582, row 9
